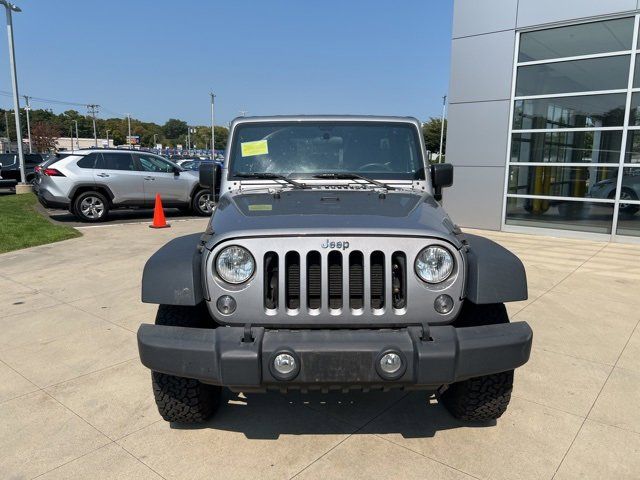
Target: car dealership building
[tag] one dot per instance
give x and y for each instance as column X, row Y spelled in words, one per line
column 544, row 117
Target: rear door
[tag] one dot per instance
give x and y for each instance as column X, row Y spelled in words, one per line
column 117, row 170
column 160, row 177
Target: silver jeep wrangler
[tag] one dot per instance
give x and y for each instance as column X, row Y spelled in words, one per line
column 330, row 264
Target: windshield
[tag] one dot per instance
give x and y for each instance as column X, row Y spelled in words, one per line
column 303, row 149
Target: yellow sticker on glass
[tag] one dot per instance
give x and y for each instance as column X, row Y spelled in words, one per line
column 259, row 147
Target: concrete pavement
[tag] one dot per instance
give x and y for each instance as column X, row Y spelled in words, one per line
column 76, row 403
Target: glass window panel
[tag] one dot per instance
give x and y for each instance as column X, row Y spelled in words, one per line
column 568, row 112
column 629, row 219
column 560, row 214
column 561, row 181
column 634, row 114
column 583, row 39
column 632, row 154
column 567, row 147
column 606, row 73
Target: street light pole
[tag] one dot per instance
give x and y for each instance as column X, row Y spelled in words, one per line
column 9, row 8
column 444, row 106
column 155, row 135
column 213, row 132
column 27, row 109
column 108, row 130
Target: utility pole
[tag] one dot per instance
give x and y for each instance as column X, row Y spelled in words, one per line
column 93, row 110
column 213, row 132
column 71, row 137
column 155, row 135
column 77, row 138
column 188, row 140
column 108, row 137
column 9, row 8
column 6, row 123
column 27, row 109
column 129, row 123
column 444, row 106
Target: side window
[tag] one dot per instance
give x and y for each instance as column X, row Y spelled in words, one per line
column 115, row 161
column 88, row 161
column 149, row 163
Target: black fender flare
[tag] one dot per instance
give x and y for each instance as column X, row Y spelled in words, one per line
column 172, row 276
column 494, row 274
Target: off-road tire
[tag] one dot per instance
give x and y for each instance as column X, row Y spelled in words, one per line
column 78, row 202
column 480, row 398
column 179, row 399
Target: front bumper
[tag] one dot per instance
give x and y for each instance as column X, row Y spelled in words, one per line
column 333, row 359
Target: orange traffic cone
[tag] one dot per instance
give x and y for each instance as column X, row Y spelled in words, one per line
column 158, row 215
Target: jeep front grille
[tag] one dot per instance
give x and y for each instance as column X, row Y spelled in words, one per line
column 337, row 285
column 298, row 281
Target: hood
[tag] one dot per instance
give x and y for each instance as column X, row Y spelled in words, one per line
column 330, row 212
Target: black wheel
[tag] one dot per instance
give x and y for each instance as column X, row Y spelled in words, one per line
column 203, row 203
column 180, row 399
column 628, row 208
column 91, row 207
column 479, row 398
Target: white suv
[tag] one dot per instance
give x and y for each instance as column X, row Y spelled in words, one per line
column 91, row 182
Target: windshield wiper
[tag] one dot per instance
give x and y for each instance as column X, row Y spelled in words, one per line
column 272, row 176
column 354, row 176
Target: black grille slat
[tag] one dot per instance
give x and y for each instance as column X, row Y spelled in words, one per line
column 399, row 280
column 292, row 285
column 335, row 279
column 271, row 280
column 314, row 281
column 356, row 280
column 377, row 280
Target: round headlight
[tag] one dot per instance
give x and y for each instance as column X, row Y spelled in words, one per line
column 434, row 264
column 235, row 264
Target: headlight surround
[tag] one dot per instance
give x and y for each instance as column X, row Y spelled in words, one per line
column 434, row 264
column 235, row 264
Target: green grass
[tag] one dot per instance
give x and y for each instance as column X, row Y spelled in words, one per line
column 21, row 226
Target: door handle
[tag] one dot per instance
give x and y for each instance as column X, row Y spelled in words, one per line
column 103, row 175
column 149, row 178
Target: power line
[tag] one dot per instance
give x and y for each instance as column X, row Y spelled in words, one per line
column 63, row 102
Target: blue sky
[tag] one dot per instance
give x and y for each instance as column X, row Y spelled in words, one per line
column 159, row 59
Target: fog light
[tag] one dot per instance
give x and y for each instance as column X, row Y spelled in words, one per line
column 285, row 366
column 443, row 304
column 226, row 304
column 390, row 363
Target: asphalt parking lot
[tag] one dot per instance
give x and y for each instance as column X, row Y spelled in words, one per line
column 76, row 403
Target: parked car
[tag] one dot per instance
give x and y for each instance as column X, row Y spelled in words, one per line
column 10, row 166
column 195, row 164
column 330, row 265
column 90, row 183
column 630, row 190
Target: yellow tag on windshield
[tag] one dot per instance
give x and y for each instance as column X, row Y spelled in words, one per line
column 259, row 147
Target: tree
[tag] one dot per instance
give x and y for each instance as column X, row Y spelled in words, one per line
column 44, row 136
column 431, row 134
column 173, row 128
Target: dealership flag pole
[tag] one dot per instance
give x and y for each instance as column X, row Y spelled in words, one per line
column 444, row 106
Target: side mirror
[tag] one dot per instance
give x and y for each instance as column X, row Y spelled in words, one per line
column 210, row 175
column 176, row 171
column 441, row 177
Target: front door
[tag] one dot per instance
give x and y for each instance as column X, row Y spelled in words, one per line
column 161, row 177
